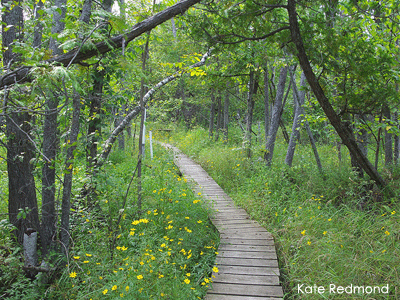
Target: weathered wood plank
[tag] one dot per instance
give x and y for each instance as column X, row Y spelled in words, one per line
column 231, row 241
column 248, row 254
column 243, row 270
column 249, row 262
column 245, row 290
column 253, row 248
column 233, row 297
column 246, row 279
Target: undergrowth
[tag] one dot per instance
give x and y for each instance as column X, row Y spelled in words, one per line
column 166, row 250
column 328, row 229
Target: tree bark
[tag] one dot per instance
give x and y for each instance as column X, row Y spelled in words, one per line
column 22, row 202
column 68, row 172
column 298, row 102
column 21, row 183
column 343, row 131
column 37, row 35
column 396, row 139
column 266, row 102
column 50, row 147
column 142, row 120
column 51, row 143
column 212, row 115
column 75, row 56
column 276, row 116
column 249, row 115
column 219, row 117
column 388, row 138
column 306, row 124
column 226, row 116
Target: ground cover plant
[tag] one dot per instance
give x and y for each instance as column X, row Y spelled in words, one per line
column 328, row 229
column 164, row 251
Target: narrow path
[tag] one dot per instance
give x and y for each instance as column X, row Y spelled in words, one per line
column 247, row 262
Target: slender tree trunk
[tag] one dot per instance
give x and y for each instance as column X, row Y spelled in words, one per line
column 378, row 143
column 343, row 131
column 142, row 109
column 226, row 116
column 68, row 171
column 50, row 147
column 298, row 102
column 51, row 143
column 388, row 139
column 276, row 115
column 396, row 139
column 299, row 96
column 121, row 136
column 219, row 117
column 266, row 102
column 95, row 116
column 212, row 115
column 37, row 35
column 249, row 115
column 283, row 128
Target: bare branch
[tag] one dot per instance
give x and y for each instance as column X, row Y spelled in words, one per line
column 243, row 38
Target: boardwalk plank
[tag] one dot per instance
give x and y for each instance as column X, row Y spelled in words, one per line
column 249, row 262
column 248, row 254
column 232, row 241
column 242, row 270
column 247, row 279
column 245, row 290
column 233, row 297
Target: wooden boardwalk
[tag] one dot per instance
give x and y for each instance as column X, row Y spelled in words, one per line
column 247, row 262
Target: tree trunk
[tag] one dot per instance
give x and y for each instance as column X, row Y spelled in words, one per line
column 37, row 35
column 226, row 116
column 95, row 117
column 219, row 117
column 50, row 147
column 266, row 102
column 68, row 171
column 212, row 115
column 249, row 115
column 276, row 116
column 298, row 102
column 343, row 131
column 396, row 139
column 143, row 112
column 378, row 143
column 22, row 203
column 51, row 143
column 388, row 138
column 121, row 137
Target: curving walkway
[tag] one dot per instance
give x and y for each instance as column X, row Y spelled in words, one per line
column 247, row 262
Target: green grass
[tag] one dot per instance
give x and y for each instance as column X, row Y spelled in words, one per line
column 328, row 230
column 164, row 251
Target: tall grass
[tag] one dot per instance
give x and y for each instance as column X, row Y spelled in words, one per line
column 328, row 229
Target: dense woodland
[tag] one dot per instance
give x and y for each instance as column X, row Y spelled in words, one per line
column 81, row 81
